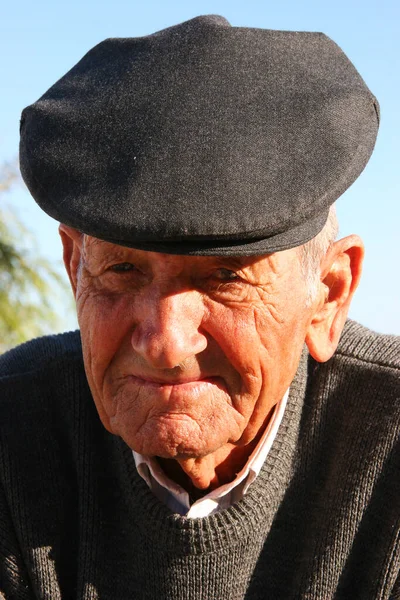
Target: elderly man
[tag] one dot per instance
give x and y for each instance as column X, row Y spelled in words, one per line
column 217, row 430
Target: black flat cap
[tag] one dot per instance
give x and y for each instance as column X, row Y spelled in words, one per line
column 201, row 139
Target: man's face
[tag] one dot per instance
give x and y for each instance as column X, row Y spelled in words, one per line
column 187, row 354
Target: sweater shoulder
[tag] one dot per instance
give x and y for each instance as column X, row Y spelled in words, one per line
column 360, row 344
column 42, row 388
column 40, row 354
column 361, row 382
column 363, row 378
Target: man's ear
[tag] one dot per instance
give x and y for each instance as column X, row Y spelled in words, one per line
column 340, row 275
column 72, row 241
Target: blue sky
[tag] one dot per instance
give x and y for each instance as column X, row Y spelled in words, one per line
column 41, row 40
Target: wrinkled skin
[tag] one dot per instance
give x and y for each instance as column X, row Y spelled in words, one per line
column 186, row 356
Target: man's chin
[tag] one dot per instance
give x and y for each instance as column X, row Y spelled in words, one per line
column 172, row 437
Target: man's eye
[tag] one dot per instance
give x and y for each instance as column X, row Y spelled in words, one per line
column 226, row 275
column 122, row 267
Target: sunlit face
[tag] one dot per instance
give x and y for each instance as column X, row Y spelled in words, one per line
column 186, row 354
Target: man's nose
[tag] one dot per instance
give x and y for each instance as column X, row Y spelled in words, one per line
column 169, row 331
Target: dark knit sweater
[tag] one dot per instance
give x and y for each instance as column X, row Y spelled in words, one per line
column 321, row 521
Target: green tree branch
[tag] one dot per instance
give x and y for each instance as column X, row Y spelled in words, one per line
column 29, row 283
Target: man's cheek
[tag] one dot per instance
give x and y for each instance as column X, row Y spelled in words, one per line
column 102, row 330
column 232, row 328
column 106, row 314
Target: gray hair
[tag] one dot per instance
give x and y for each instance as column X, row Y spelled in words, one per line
column 312, row 252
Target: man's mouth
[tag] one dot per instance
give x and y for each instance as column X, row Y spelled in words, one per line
column 175, row 381
column 181, row 384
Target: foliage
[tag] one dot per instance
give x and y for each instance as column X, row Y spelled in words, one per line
column 29, row 283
